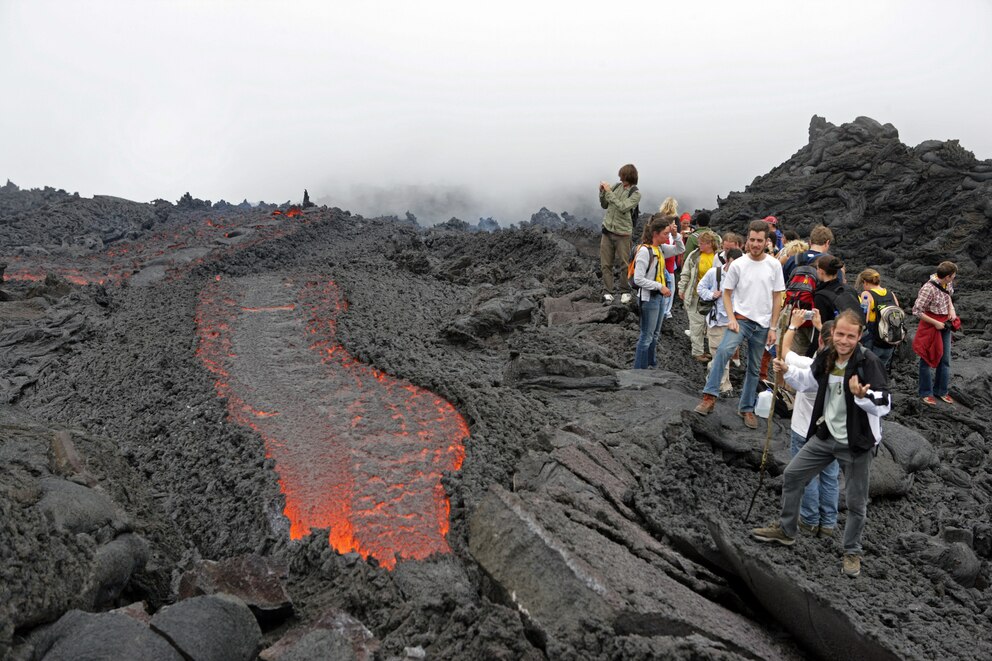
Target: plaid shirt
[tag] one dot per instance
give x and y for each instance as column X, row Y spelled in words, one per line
column 933, row 299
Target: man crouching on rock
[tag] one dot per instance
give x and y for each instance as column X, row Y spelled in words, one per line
column 851, row 397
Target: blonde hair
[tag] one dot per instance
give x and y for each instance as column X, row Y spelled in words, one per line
column 709, row 237
column 670, row 207
column 791, row 248
column 871, row 276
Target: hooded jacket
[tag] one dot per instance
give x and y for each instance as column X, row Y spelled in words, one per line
column 864, row 429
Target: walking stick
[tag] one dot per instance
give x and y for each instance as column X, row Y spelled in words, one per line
column 768, row 434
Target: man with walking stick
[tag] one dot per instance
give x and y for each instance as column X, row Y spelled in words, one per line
column 851, row 397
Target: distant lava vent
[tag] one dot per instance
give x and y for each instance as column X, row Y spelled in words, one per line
column 357, row 451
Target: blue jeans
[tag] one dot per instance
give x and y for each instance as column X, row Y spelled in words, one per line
column 883, row 351
column 647, row 343
column 755, row 336
column 666, row 309
column 927, row 385
column 819, row 506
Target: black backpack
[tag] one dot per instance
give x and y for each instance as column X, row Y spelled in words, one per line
column 844, row 298
column 704, row 307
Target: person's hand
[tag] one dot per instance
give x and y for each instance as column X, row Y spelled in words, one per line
column 857, row 389
column 665, row 291
column 817, row 321
column 682, row 296
column 716, row 293
column 939, row 325
column 603, row 186
column 780, row 367
column 798, row 317
column 772, row 336
column 733, row 326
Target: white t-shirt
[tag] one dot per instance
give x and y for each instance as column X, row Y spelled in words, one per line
column 753, row 283
column 802, row 407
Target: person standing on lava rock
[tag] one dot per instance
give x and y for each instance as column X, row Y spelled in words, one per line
column 935, row 308
column 851, row 398
column 710, row 288
column 670, row 207
column 696, row 265
column 752, row 296
column 649, row 277
column 621, row 203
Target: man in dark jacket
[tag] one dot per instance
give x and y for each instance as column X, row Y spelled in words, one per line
column 851, row 398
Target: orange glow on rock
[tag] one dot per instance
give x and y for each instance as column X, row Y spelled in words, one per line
column 357, row 451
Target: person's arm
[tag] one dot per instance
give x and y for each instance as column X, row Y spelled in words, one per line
column 687, row 273
column 621, row 201
column 797, row 319
column 798, row 376
column 673, row 249
column 776, row 311
column 728, row 306
column 872, row 396
column 706, row 289
column 602, row 198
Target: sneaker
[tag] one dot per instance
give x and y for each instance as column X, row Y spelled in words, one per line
column 688, row 333
column 608, row 298
column 773, row 533
column 706, row 406
column 750, row 420
column 947, row 398
column 736, row 362
column 808, row 529
column 668, row 315
column 826, row 532
column 929, row 399
column 626, row 298
column 703, row 358
column 852, row 565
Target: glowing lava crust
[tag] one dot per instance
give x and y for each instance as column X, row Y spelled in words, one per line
column 357, row 452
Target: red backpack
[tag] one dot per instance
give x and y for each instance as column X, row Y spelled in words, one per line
column 801, row 285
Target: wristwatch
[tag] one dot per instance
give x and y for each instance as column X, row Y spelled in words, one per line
column 793, row 328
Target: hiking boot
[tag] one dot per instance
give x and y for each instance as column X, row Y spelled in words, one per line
column 852, row 565
column 826, row 532
column 626, row 298
column 808, row 529
column 930, row 399
column 750, row 420
column 772, row 533
column 607, row 298
column 706, row 406
column 947, row 398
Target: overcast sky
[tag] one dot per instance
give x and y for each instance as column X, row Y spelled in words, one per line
column 476, row 108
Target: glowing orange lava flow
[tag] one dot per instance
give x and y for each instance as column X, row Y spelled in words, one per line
column 358, row 452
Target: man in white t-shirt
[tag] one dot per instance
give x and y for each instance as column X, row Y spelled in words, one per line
column 752, row 297
column 818, row 511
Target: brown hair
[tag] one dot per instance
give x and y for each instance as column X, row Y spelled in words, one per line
column 656, row 223
column 826, row 329
column 871, row 276
column 758, row 226
column 733, row 237
column 944, row 269
column 710, row 238
column 820, row 235
column 851, row 317
column 829, row 264
column 628, row 174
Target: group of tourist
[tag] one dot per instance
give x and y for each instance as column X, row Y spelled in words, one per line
column 837, row 344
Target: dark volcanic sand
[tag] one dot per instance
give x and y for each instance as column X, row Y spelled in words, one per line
column 608, row 470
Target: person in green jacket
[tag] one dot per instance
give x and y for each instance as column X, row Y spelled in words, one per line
column 619, row 200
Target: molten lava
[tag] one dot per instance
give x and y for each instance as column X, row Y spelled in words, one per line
column 358, row 452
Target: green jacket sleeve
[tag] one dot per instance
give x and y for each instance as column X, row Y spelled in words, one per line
column 622, row 202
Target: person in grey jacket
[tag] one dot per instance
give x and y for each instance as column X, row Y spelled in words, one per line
column 694, row 268
column 619, row 200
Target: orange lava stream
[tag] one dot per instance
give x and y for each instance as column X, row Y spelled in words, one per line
column 362, row 455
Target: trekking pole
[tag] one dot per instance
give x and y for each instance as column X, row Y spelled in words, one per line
column 768, row 434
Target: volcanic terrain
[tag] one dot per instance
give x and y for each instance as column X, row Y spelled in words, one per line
column 279, row 432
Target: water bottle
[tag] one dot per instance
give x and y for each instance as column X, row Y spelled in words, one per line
column 764, row 404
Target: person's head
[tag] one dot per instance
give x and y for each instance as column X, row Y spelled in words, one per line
column 846, row 334
column 685, row 220
column 708, row 242
column 628, row 174
column 772, row 222
column 659, row 228
column 731, row 255
column 757, row 236
column 827, row 267
column 733, row 240
column 670, row 207
column 826, row 328
column 702, row 219
column 790, row 235
column 869, row 278
column 946, row 271
column 821, row 236
column 793, row 247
